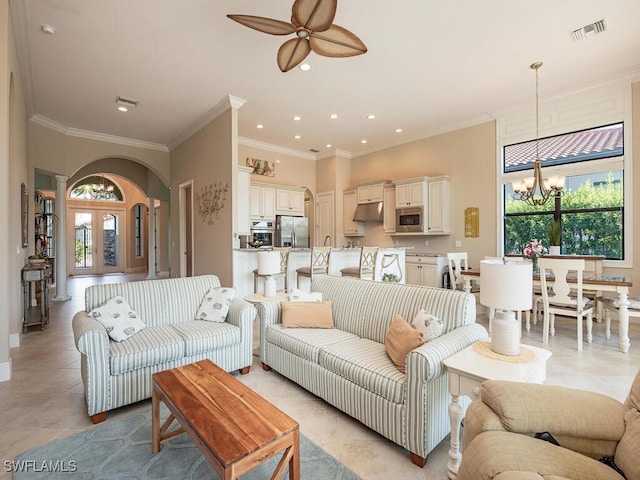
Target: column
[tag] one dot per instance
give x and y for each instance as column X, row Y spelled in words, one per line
column 61, row 240
column 152, row 240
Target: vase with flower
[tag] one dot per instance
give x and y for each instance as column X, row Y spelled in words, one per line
column 534, row 250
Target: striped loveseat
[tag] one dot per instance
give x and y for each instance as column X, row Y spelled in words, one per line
column 119, row 373
column 348, row 367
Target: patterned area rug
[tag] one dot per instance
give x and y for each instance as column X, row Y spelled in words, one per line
column 122, row 450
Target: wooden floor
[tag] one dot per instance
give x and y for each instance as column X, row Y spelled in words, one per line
column 44, row 399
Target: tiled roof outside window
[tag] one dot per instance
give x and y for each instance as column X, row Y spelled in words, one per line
column 601, row 142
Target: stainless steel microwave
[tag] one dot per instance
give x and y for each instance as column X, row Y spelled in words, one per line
column 410, row 219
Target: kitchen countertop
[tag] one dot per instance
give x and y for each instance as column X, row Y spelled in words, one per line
column 426, row 254
column 339, row 249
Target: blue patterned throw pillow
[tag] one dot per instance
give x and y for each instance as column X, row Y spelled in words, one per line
column 118, row 318
column 215, row 304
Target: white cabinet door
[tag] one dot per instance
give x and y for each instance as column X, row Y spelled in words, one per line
column 438, row 216
column 263, row 203
column 325, row 204
column 389, row 210
column 413, row 274
column 289, row 202
column 411, row 194
column 350, row 202
column 371, row 193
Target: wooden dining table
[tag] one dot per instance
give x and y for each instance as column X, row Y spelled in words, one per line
column 601, row 282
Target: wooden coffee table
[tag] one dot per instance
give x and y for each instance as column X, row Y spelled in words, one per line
column 234, row 427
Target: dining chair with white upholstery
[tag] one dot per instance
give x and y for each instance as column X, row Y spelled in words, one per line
column 561, row 297
column 610, row 304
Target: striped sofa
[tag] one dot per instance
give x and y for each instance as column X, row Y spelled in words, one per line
column 119, row 373
column 349, row 368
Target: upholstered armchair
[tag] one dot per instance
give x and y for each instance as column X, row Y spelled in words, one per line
column 499, row 437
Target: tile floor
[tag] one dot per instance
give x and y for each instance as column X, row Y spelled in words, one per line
column 44, row 398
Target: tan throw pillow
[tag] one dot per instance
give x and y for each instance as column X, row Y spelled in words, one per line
column 400, row 340
column 626, row 458
column 307, row 314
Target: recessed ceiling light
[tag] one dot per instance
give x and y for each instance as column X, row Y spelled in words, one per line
column 259, row 126
column 398, row 130
column 328, row 145
column 122, row 108
column 371, row 116
column 297, row 118
column 333, row 116
column 48, row 29
column 297, row 137
column 363, row 141
column 305, row 67
column 125, row 104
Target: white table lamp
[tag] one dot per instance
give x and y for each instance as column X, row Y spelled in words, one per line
column 506, row 287
column 269, row 265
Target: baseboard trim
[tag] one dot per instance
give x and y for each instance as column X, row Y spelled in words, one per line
column 5, row 371
column 14, row 340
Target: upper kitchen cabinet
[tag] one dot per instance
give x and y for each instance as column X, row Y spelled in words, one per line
column 389, row 209
column 263, row 202
column 290, row 201
column 349, row 205
column 371, row 192
column 411, row 192
column 438, row 205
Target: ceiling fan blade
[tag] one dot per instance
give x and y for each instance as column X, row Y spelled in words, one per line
column 314, row 15
column 263, row 24
column 292, row 52
column 336, row 42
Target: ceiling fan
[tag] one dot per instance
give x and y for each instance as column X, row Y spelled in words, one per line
column 312, row 23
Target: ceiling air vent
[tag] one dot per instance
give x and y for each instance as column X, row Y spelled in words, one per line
column 588, row 30
column 314, row 150
column 126, row 102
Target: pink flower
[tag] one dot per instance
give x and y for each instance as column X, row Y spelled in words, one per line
column 534, row 249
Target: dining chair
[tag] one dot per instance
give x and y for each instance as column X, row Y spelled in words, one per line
column 284, row 266
column 560, row 297
column 367, row 266
column 458, row 262
column 610, row 304
column 319, row 264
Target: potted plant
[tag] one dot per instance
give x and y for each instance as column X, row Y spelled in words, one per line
column 390, row 278
column 555, row 237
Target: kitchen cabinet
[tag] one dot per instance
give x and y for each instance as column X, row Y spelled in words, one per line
column 371, row 193
column 389, row 209
column 263, row 202
column 289, row 201
column 349, row 204
column 411, row 192
column 425, row 270
column 438, row 217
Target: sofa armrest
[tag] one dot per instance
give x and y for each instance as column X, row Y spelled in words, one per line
column 242, row 314
column 92, row 342
column 270, row 314
column 425, row 363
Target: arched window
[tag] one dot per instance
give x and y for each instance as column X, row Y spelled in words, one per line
column 96, row 188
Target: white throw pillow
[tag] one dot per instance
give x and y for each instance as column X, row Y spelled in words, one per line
column 297, row 295
column 117, row 316
column 215, row 304
column 430, row 326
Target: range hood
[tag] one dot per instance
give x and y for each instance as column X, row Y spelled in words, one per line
column 368, row 212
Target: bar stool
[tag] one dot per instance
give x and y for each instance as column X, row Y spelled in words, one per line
column 366, row 269
column 319, row 264
column 284, row 265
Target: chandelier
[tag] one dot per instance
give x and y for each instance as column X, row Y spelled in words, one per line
column 102, row 190
column 536, row 190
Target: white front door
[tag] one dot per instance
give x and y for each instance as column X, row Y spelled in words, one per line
column 97, row 240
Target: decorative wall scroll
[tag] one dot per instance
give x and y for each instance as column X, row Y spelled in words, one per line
column 472, row 222
column 211, row 200
column 262, row 167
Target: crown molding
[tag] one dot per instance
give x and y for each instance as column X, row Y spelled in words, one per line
column 101, row 137
column 218, row 109
column 336, row 153
column 248, row 142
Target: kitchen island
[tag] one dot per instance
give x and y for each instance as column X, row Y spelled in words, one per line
column 390, row 260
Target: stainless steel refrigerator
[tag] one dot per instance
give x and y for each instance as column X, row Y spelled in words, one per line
column 292, row 232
